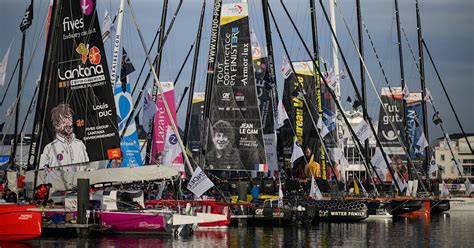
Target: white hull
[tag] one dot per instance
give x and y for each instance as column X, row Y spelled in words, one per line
column 461, row 204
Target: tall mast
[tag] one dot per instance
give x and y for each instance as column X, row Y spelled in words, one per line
column 402, row 73
column 118, row 33
column 269, row 44
column 193, row 73
column 319, row 103
column 362, row 71
column 18, row 99
column 216, row 16
column 335, row 65
column 157, row 68
column 422, row 80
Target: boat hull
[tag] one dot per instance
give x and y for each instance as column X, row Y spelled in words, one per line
column 133, row 222
column 461, row 204
column 18, row 223
column 439, row 206
column 405, row 206
column 270, row 216
column 339, row 210
column 202, row 206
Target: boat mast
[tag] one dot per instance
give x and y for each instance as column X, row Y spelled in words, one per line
column 216, row 16
column 319, row 100
column 160, row 89
column 362, row 71
column 335, row 65
column 271, row 67
column 118, row 33
column 402, row 73
column 18, row 99
column 158, row 69
column 38, row 123
column 332, row 92
column 422, row 81
column 447, row 96
column 193, row 74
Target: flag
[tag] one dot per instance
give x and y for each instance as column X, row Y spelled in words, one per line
column 468, row 185
column 422, row 143
column 436, row 119
column 297, row 151
column 107, row 26
column 444, row 190
column 127, row 66
column 405, row 92
column 10, row 109
column 364, row 192
column 400, row 181
column 286, row 67
column 27, row 18
column 378, row 160
column 447, row 142
column 3, row 67
column 415, row 188
column 281, row 115
column 457, row 166
column 331, row 79
column 148, row 112
column 280, row 194
column 322, row 127
column 315, row 193
column 356, row 187
column 261, row 167
column 409, row 188
column 349, row 99
column 171, row 151
column 356, row 104
column 199, row 182
column 428, row 96
column 363, row 131
column 433, row 170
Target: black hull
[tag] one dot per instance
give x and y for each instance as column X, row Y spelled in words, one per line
column 339, row 211
column 439, row 206
column 400, row 207
column 378, row 208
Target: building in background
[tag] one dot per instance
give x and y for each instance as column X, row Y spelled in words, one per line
column 461, row 151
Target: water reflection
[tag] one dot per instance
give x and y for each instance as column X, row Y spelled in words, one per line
column 445, row 230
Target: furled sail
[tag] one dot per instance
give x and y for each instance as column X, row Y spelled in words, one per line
column 75, row 120
column 235, row 137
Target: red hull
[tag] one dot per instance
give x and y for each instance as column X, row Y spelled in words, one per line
column 211, row 207
column 17, row 223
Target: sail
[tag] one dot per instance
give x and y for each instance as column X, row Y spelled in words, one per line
column 415, row 122
column 162, row 127
column 195, row 124
column 298, row 112
column 235, row 139
column 267, row 101
column 393, row 102
column 75, row 120
column 129, row 143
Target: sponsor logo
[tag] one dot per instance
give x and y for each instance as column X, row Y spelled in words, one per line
column 60, row 157
column 173, row 139
column 225, row 96
column 87, row 6
column 83, row 74
column 72, row 24
column 25, row 216
column 114, row 153
column 93, row 54
column 236, row 9
column 239, row 96
column 149, row 225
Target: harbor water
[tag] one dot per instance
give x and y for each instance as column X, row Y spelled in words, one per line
column 452, row 229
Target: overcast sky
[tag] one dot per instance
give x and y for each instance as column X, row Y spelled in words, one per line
column 447, row 28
